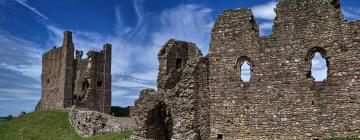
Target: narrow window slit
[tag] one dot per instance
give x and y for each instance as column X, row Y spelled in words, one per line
column 99, row 83
column 179, row 63
column 85, row 86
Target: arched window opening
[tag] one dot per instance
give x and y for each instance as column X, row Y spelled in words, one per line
column 319, row 69
column 319, row 64
column 179, row 63
column 245, row 64
column 245, row 71
column 85, row 85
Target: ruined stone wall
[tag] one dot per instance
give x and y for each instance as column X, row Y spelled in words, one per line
column 92, row 86
column 282, row 100
column 202, row 100
column 182, row 85
column 149, row 114
column 89, row 123
column 179, row 109
column 76, row 81
column 206, row 96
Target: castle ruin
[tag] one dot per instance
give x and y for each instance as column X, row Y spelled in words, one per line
column 67, row 79
column 204, row 97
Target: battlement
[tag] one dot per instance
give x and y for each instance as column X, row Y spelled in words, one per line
column 70, row 80
column 234, row 25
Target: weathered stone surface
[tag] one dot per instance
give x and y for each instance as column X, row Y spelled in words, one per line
column 205, row 98
column 180, row 106
column 68, row 80
column 149, row 117
column 89, row 123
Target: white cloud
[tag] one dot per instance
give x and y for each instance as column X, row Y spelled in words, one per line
column 18, row 94
column 20, row 68
column 266, row 28
column 265, row 11
column 319, row 68
column 31, row 70
column 185, row 22
column 266, row 25
column 33, row 9
column 139, row 59
column 148, row 75
column 132, row 84
column 20, row 55
column 265, row 14
column 132, row 56
column 245, row 72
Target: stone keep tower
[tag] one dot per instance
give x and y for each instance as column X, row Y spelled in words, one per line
column 67, row 80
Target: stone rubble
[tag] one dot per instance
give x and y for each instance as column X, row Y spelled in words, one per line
column 89, row 123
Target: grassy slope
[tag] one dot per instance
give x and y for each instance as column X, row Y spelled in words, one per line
column 46, row 125
column 344, row 139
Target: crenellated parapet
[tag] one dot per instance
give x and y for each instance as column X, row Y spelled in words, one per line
column 69, row 79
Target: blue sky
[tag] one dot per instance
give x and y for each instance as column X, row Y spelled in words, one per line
column 136, row 29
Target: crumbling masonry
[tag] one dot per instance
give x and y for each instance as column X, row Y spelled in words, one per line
column 204, row 98
column 68, row 80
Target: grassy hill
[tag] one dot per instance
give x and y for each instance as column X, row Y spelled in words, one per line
column 46, row 125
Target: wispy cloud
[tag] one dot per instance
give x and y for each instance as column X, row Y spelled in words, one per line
column 185, row 22
column 20, row 55
column 135, row 64
column 265, row 11
column 265, row 14
column 20, row 68
column 33, row 9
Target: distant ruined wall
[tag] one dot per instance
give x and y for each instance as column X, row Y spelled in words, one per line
column 118, row 111
column 92, row 86
column 68, row 80
column 205, row 96
column 56, row 77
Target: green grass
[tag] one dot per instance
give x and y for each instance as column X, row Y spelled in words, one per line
column 47, row 125
column 344, row 139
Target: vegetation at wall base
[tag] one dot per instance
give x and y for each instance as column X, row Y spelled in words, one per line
column 47, row 125
column 344, row 139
